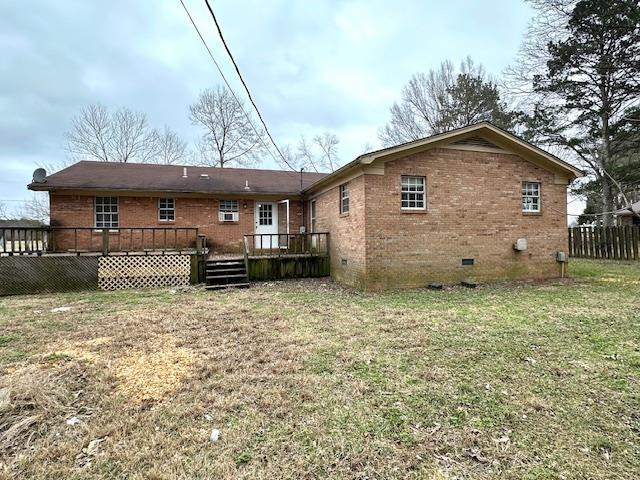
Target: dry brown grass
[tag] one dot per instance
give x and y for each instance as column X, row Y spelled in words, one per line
column 306, row 380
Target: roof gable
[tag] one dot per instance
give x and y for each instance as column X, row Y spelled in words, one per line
column 482, row 136
column 474, row 141
column 479, row 136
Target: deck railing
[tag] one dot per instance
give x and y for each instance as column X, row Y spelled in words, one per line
column 279, row 244
column 87, row 240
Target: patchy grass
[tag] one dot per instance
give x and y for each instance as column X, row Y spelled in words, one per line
column 306, row 379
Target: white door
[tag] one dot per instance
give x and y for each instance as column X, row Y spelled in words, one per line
column 266, row 225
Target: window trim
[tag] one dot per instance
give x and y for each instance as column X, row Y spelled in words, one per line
column 267, row 211
column 423, row 192
column 95, row 214
column 539, row 197
column 344, row 188
column 235, row 212
column 313, row 215
column 172, row 210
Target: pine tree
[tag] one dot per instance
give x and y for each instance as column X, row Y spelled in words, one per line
column 591, row 91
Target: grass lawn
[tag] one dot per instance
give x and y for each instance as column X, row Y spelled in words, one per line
column 305, row 379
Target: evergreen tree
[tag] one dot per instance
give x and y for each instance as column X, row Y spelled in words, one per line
column 590, row 92
column 443, row 100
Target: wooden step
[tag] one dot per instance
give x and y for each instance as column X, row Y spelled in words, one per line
column 228, row 285
column 219, row 277
column 226, row 270
column 225, row 260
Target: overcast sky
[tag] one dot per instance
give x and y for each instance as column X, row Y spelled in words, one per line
column 312, row 66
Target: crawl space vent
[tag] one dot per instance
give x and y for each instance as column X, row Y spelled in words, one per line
column 467, row 261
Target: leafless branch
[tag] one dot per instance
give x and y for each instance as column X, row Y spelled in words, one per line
column 229, row 137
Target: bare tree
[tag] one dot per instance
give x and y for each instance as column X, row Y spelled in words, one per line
column 305, row 155
column 170, row 148
column 37, row 208
column 3, row 211
column 367, row 147
column 327, row 143
column 229, row 136
column 319, row 155
column 121, row 136
column 548, row 25
column 132, row 139
column 442, row 100
column 91, row 134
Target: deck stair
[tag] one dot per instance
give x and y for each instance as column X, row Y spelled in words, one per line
column 226, row 273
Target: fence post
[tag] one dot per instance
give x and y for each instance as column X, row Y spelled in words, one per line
column 105, row 241
column 627, row 238
column 200, row 243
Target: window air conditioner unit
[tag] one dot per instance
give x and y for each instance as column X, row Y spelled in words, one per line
column 228, row 216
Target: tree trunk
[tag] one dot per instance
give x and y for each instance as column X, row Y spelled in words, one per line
column 607, row 201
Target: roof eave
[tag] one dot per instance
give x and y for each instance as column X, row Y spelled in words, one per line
column 168, row 190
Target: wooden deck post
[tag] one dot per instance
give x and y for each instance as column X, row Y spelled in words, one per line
column 105, row 241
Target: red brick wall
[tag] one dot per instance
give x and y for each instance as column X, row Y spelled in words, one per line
column 347, row 232
column 473, row 211
column 77, row 210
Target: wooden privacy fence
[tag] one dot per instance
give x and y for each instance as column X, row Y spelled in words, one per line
column 613, row 243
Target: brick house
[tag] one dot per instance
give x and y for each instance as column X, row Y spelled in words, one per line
column 626, row 217
column 443, row 208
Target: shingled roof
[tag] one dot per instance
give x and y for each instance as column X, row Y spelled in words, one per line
column 138, row 177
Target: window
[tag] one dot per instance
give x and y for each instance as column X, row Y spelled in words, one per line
column 167, row 209
column 312, row 208
column 530, row 197
column 106, row 211
column 344, row 198
column 228, row 211
column 265, row 214
column 413, row 193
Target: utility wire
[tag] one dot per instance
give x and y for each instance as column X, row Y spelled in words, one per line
column 224, row 78
column 246, row 88
column 628, row 208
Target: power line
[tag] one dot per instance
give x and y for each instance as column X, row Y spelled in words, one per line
column 601, row 214
column 266, row 129
column 224, row 78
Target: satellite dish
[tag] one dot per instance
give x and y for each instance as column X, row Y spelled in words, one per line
column 39, row 175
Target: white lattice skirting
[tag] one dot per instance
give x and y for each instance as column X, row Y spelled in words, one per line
column 141, row 271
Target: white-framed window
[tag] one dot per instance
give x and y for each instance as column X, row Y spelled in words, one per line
column 228, row 210
column 106, row 212
column 312, row 214
column 167, row 209
column 530, row 196
column 265, row 214
column 413, row 193
column 344, row 198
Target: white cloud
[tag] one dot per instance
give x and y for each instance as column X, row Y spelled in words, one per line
column 312, row 66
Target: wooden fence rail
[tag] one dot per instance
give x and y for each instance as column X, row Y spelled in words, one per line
column 88, row 240
column 278, row 244
column 612, row 243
